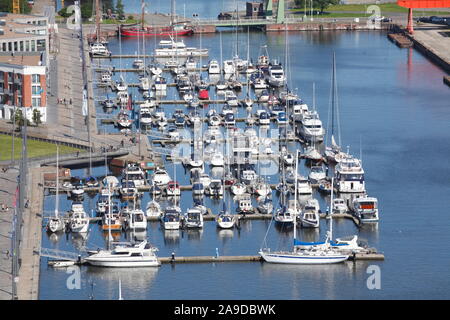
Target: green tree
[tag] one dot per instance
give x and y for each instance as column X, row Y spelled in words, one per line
column 119, row 9
column 19, row 119
column 37, row 117
column 317, row 4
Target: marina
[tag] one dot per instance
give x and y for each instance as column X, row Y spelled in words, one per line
column 252, row 154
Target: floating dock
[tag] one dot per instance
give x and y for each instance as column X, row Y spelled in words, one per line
column 400, row 40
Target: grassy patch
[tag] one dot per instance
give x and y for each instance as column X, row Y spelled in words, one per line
column 35, row 148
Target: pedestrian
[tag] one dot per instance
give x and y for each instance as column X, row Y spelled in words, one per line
column 78, row 153
column 70, row 101
column 64, row 100
column 121, row 143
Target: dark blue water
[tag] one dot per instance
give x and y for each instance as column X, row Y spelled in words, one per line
column 394, row 113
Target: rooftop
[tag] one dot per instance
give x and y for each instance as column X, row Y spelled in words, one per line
column 23, row 58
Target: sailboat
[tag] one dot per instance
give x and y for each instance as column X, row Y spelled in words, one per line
column 333, row 152
column 56, row 223
column 323, row 254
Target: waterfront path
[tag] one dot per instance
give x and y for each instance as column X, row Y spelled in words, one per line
column 7, row 190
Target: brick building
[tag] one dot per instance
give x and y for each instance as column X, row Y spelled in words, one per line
column 23, row 84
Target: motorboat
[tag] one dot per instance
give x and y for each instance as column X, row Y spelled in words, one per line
column 276, row 77
column 264, row 96
column 225, row 220
column 135, row 219
column 160, row 84
column 229, row 119
column 170, row 48
column 161, row 177
column 311, row 128
column 153, row 209
column 249, row 176
column 238, row 188
column 263, row 117
column 284, row 215
column 173, row 189
column 105, row 78
column 350, row 176
column 245, row 204
column 111, row 221
column 145, row 116
column 231, row 98
column 228, row 67
column 138, row 64
column 171, row 218
column 78, row 219
column 339, row 205
column 309, row 216
column 101, row 204
column 110, row 181
column 213, row 67
column 133, row 172
column 317, row 174
column 303, row 186
column 193, row 218
column 215, row 188
column 123, row 120
column 125, row 255
column 217, row 160
column 366, row 209
column 128, row 190
column 99, row 49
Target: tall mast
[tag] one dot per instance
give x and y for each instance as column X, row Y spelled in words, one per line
column 57, row 182
column 142, row 14
column 97, row 19
column 295, row 195
column 333, row 93
column 331, row 210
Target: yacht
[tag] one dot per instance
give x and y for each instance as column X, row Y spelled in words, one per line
column 145, row 116
column 198, row 189
column 138, row 64
column 170, row 48
column 366, row 209
column 303, row 186
column 284, row 215
column 228, row 67
column 135, row 219
column 245, row 204
column 213, row 67
column 123, row 120
column 231, row 98
column 173, row 189
column 249, row 176
column 99, row 49
column 161, row 177
column 171, row 218
column 262, row 189
column 238, row 188
column 276, row 77
column 101, row 205
column 79, row 221
column 339, row 205
column 153, row 209
column 160, row 84
column 309, row 216
column 317, row 174
column 311, row 128
column 133, row 172
column 215, row 188
column 125, row 255
column 263, row 117
column 350, row 176
column 111, row 220
column 105, row 78
column 193, row 218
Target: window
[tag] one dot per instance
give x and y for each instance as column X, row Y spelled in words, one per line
column 36, row 90
column 16, row 46
column 21, row 46
column 36, row 102
column 27, row 45
column 4, row 46
column 33, row 45
column 36, row 78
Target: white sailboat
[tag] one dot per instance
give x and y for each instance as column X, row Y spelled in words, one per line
column 56, row 223
column 311, row 255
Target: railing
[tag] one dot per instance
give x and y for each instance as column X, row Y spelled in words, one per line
column 59, row 254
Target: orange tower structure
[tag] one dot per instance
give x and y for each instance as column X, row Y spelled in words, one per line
column 415, row 4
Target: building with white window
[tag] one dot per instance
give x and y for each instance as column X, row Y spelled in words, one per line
column 23, row 84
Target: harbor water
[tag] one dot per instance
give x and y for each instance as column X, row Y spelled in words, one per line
column 394, row 115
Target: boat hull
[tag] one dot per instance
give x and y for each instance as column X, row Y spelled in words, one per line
column 292, row 258
column 126, row 263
